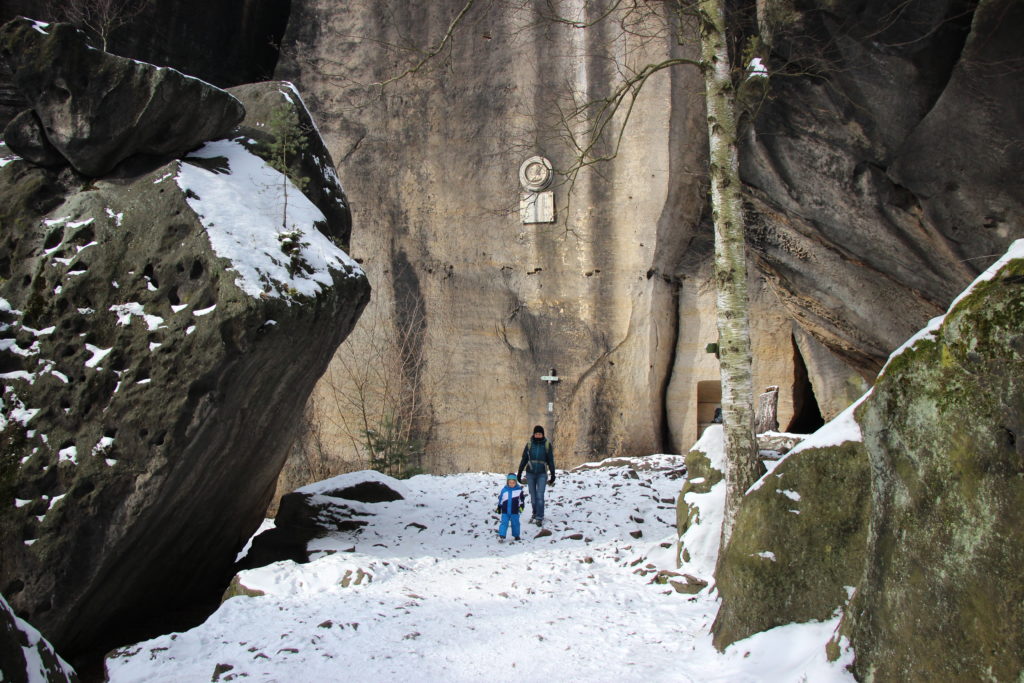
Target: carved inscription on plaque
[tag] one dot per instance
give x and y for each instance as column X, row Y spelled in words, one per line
column 537, row 207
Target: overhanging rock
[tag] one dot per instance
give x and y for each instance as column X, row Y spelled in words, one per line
column 159, row 336
column 97, row 109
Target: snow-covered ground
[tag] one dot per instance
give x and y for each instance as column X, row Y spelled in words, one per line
column 426, row 592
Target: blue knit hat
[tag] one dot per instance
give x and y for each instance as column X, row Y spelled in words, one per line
column 512, row 476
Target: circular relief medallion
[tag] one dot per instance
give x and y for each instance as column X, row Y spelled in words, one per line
column 535, row 174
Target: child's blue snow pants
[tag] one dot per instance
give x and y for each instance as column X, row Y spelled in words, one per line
column 503, row 527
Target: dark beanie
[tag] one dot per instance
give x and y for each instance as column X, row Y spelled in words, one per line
column 538, row 428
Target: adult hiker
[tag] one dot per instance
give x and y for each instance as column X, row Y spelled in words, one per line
column 538, row 460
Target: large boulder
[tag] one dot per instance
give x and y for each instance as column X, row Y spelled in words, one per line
column 160, row 335
column 98, row 109
column 224, row 43
column 302, row 517
column 25, row 655
column 906, row 513
column 318, row 509
column 943, row 429
column 798, row 544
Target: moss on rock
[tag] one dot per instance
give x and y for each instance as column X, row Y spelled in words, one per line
column 701, row 476
column 943, row 594
column 238, row 589
column 799, row 541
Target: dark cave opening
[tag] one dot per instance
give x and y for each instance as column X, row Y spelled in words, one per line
column 806, row 413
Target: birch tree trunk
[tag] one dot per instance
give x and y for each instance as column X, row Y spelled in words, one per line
column 730, row 263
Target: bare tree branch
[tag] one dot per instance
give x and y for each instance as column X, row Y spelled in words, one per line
column 99, row 17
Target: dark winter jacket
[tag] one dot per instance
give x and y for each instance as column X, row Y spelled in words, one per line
column 511, row 500
column 538, row 455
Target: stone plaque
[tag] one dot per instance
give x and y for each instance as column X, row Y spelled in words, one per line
column 535, row 174
column 536, row 203
column 537, row 207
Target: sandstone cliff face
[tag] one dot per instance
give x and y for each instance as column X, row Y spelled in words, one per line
column 877, row 166
column 161, row 332
column 875, row 171
column 596, row 297
column 863, row 225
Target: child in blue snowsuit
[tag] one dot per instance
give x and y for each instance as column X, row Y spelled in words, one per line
column 511, row 501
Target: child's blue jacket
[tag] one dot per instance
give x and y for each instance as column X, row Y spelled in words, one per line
column 511, row 500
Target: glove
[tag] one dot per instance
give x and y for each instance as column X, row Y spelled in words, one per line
column 498, row 509
column 522, row 507
column 551, row 481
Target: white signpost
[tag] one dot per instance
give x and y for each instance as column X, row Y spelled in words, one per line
column 552, row 380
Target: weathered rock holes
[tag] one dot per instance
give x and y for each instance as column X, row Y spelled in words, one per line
column 77, row 267
column 197, row 270
column 86, row 235
column 75, row 324
column 172, row 296
column 11, row 363
column 54, row 238
column 207, row 300
column 150, row 274
column 174, row 234
column 82, row 489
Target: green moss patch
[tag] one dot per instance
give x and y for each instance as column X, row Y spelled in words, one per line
column 943, row 595
column 799, row 541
